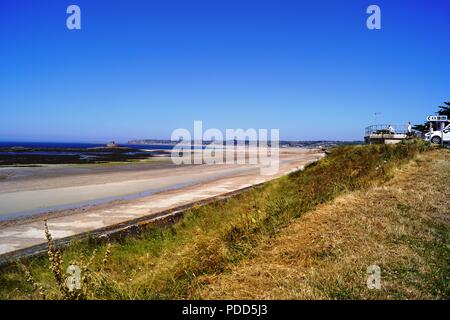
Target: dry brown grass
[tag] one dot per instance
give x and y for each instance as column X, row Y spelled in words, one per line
column 285, row 239
column 324, row 253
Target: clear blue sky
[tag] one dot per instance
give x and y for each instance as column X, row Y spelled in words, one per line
column 140, row 69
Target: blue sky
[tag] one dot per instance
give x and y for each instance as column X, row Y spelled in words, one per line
column 140, row 69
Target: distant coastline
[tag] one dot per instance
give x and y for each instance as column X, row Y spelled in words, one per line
column 43, row 153
column 283, row 143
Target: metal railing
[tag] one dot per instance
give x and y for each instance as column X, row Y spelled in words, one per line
column 386, row 129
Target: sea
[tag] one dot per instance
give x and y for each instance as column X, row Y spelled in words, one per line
column 80, row 145
column 135, row 148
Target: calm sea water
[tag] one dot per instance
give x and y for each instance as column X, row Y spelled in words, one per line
column 79, row 145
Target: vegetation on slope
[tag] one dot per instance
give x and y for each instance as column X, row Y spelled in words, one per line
column 209, row 241
column 402, row 226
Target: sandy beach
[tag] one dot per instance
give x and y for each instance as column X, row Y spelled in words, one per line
column 78, row 199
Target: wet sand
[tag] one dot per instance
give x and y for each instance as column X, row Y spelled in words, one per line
column 129, row 192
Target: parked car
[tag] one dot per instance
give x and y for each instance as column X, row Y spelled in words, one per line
column 436, row 136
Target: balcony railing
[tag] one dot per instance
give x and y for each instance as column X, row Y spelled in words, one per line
column 385, row 129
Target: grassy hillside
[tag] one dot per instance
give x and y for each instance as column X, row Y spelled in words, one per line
column 403, row 226
column 203, row 254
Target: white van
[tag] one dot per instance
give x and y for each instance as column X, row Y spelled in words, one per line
column 436, row 136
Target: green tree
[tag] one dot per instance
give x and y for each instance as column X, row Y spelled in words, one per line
column 443, row 111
